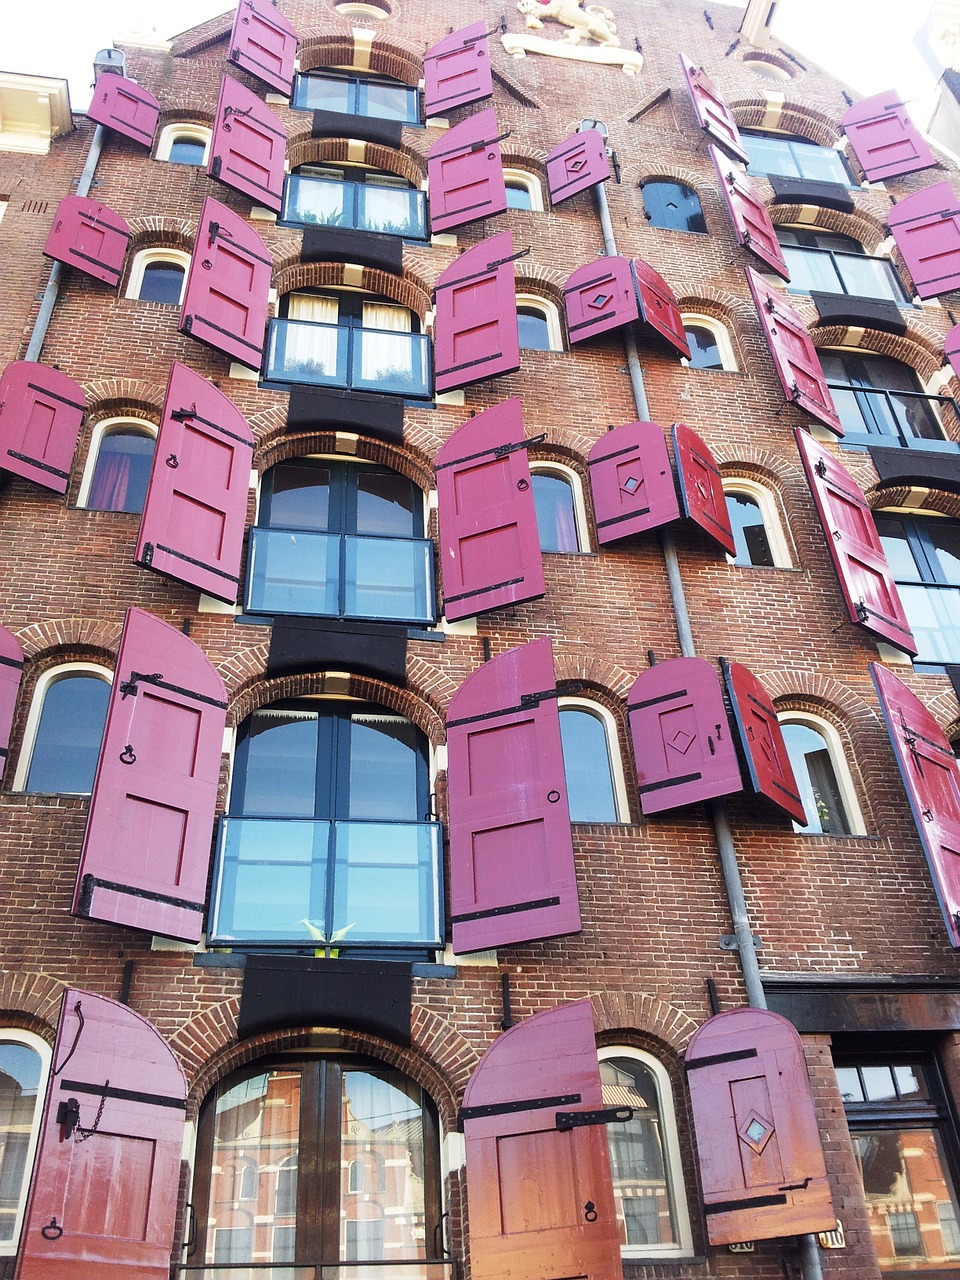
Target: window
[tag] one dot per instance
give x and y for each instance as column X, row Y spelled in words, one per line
column 158, row 275
column 64, row 728
column 118, row 467
column 181, row 144
column 523, row 190
column 880, row 401
column 794, row 158
column 709, row 342
column 591, row 762
column 924, row 556
column 823, row 780
column 538, row 321
column 673, row 206
column 24, row 1061
column 355, row 197
column 558, row 499
column 354, row 95
column 749, row 530
column 829, row 263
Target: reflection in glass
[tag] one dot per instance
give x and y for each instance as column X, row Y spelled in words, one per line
column 586, row 762
column 704, row 348
column 67, row 743
column 911, row 1203
column 637, row 1157
column 792, row 158
column 673, row 206
column 20, row 1069
column 749, row 533
column 556, row 516
column 816, row 781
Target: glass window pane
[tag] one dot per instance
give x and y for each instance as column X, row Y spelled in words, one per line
column 816, row 782
column 385, row 767
column 673, row 207
column 749, row 533
column 534, row 329
column 911, row 1202
column 161, row 282
column 811, row 269
column 586, row 762
column 68, row 736
column 637, row 1156
column 187, row 151
column 20, row 1070
column 387, row 503
column 386, row 888
column 272, row 881
column 944, row 537
column 556, row 518
column 122, row 472
column 277, row 769
column 518, row 197
column 298, row 496
column 910, row 1082
column 388, row 578
column 878, row 1084
column 704, row 348
column 848, row 1082
column 324, row 93
column 388, row 101
column 291, row 572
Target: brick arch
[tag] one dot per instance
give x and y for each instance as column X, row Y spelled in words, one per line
column 532, row 160
column 733, row 318
column 394, row 58
column 617, row 1012
column 113, row 397
column 838, row 702
column 243, row 669
column 606, row 677
column 543, row 280
column 415, row 465
column 862, row 225
column 268, row 423
column 919, row 347
column 31, row 1001
column 84, row 636
column 940, row 500
column 752, row 463
column 185, row 110
column 405, row 289
column 943, row 708
column 805, row 122
column 157, row 232
column 404, row 162
column 563, row 444
column 673, row 173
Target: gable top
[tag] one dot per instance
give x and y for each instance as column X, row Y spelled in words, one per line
column 201, row 37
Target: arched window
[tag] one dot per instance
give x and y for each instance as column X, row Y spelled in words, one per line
column 61, row 742
column 523, row 190
column 591, row 761
column 285, row 1202
column 347, row 93
column 561, row 517
column 923, row 551
column 538, row 321
column 356, row 197
column 158, row 275
column 791, row 157
column 118, row 467
column 248, row 1181
column 709, row 342
column 830, row 263
column 184, row 144
column 24, row 1062
column 673, row 206
column 823, row 779
column 757, row 530
column 881, row 401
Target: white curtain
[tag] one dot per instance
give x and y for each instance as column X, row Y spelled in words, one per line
column 386, row 357
column 308, row 349
column 386, row 208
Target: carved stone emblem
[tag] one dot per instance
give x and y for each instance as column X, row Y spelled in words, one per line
column 592, row 21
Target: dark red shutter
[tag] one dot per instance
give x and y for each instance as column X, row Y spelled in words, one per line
column 490, row 545
column 794, row 355
column 456, row 70
column 40, row 414
column 90, row 237
column 761, row 737
column 598, row 297
column 249, row 146
column 758, row 1141
column 125, row 107
column 147, row 846
column 951, row 349
column 225, row 304
column 539, row 1188
column 749, row 216
column 713, row 115
column 931, row 779
column 866, row 582
column 264, row 43
column 701, row 487
column 885, row 140
column 512, row 875
column 631, row 481
column 658, row 306
column 11, row 671
column 196, row 507
column 577, row 163
column 926, row 227
column 684, row 749
column 103, row 1199
column 476, row 330
column 465, row 172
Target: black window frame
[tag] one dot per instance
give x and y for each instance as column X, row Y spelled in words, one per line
column 806, row 238
column 357, row 93
column 791, row 142
column 875, row 406
column 930, row 573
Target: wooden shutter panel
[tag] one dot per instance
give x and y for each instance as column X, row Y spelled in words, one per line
column 701, row 488
column 598, row 297
column 926, row 227
column 125, row 107
column 684, row 749
column 11, row 673
column 748, row 213
column 90, row 237
column 456, row 70
column 576, row 164
column 951, row 349
column 631, row 481
column 761, row 738
column 477, row 334
column 512, row 875
column 196, row 507
column 540, row 1197
column 112, row 1197
column 713, row 115
column 866, row 582
column 465, row 173
column 885, row 140
column 264, row 43
column 758, row 1141
column 146, row 851
column 658, row 306
column 248, row 147
column 490, row 545
column 40, row 414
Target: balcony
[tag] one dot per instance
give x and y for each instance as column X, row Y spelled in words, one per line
column 905, row 419
column 356, row 206
column 833, row 271
column 318, row 1271
column 330, row 355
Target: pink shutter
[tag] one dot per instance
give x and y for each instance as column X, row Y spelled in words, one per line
column 249, row 146
column 749, row 216
column 885, row 140
column 456, row 70
column 866, row 582
column 264, row 43
column 512, row 875
column 701, row 487
column 713, row 115
column 539, row 1189
column 226, row 299
column 684, row 749
column 40, row 414
column 926, row 227
column 490, row 545
column 598, row 297
column 196, row 508
column 631, row 481
column 931, row 779
column 761, row 738
column 577, row 163
column 147, row 846
column 90, row 237
column 658, row 306
column 125, row 107
column 476, row 330
column 951, row 349
column 11, row 672
column 465, row 172
column 103, row 1199
column 758, row 1141
column 794, row 355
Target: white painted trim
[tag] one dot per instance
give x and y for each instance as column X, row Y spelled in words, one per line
column 838, row 759
column 108, row 427
column 182, row 131
column 36, row 710
column 524, row 178
column 770, row 514
column 148, row 257
column 570, row 477
column 614, row 758
column 550, row 313
column 696, row 319
column 14, row 1035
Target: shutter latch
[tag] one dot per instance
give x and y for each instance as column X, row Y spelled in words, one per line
column 821, row 468
column 130, row 686
column 502, row 450
column 233, row 111
column 567, row 1120
column 534, row 699
column 181, row 415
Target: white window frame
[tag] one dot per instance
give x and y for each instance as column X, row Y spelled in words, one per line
column 103, row 429
column 841, row 770
column 621, row 801
column 728, row 361
column 567, row 474
column 14, row 1035
column 770, row 514
column 530, row 181
column 181, row 132
column 550, row 313
column 44, row 682
column 149, row 257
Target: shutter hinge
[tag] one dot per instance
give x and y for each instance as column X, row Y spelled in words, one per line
column 863, row 613
column 489, row 142
column 228, row 112
column 217, row 162
column 567, row 1120
column 821, row 468
column 130, row 686
column 181, row 415
column 146, row 557
column 499, row 29
column 534, row 699
column 502, row 450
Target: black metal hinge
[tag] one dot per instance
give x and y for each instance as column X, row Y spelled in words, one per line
column 567, row 1120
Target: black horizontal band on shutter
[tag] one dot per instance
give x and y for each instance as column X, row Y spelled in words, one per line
column 3, row 753
column 712, row 1060
column 181, row 415
column 731, row 1206
column 617, row 453
column 35, row 462
column 670, row 782
column 629, row 515
column 656, row 702
column 253, row 124
column 889, row 622
column 751, row 697
column 52, row 395
column 125, row 1095
column 217, row 172
column 489, row 715
column 97, row 262
column 478, row 275
column 492, row 912
column 470, row 364
column 495, row 451
column 572, row 328
column 911, row 735
column 99, row 222
column 227, row 240
column 466, row 148
column 775, row 782
column 17, row 664
column 201, row 564
column 523, row 1104
column 218, row 328
column 705, row 462
column 482, row 591
column 140, row 677
column 91, row 883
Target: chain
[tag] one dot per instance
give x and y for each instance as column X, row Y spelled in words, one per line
column 80, row 1133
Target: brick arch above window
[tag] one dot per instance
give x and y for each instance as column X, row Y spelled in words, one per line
column 416, row 466
column 404, row 290
column 795, row 687
column 921, row 351
column 752, row 463
column 117, row 397
column 769, row 114
column 59, row 640
column 644, row 1020
column 404, row 162
column 915, row 500
column 162, row 233
column 30, row 1001
column 863, row 226
column 384, row 57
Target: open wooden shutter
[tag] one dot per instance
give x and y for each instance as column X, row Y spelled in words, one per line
column 539, row 1189
column 248, row 147
column 761, row 738
column 951, row 348
column 146, row 851
column 658, row 306
column 577, row 163
column 926, row 227
column 125, row 107
column 794, row 355
column 885, row 140
column 701, row 487
column 226, row 299
column 490, row 545
column 684, row 749
column 40, row 414
column 90, row 237
column 512, row 875
column 11, row 673
column 758, row 1141
column 866, row 582
column 196, row 508
column 465, row 172
column 476, row 330
column 103, row 1199
column 456, row 70
column 264, row 43
column 749, row 216
column 598, row 297
column 713, row 115
column 631, row 481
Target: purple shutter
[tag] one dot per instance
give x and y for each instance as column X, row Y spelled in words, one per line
column 658, row 306
column 465, row 172
column 577, row 163
column 713, row 115
column 248, row 147
column 539, row 1188
column 40, row 414
column 11, row 672
column 931, row 779
column 125, row 107
column 951, row 349
column 749, row 216
column 761, row 737
column 866, row 582
column 512, row 875
column 226, row 299
column 264, row 43
column 105, row 1209
column 146, row 851
column 477, row 335
column 598, row 297
column 683, row 745
column 758, row 1141
column 631, row 481
column 926, row 227
column 885, row 140
column 90, row 237
column 456, row 70
column 794, row 355
column 196, row 508
column 701, row 487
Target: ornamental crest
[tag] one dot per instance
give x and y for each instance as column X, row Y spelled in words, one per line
column 591, row 34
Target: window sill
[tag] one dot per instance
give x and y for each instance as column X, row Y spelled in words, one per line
column 634, row 1265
